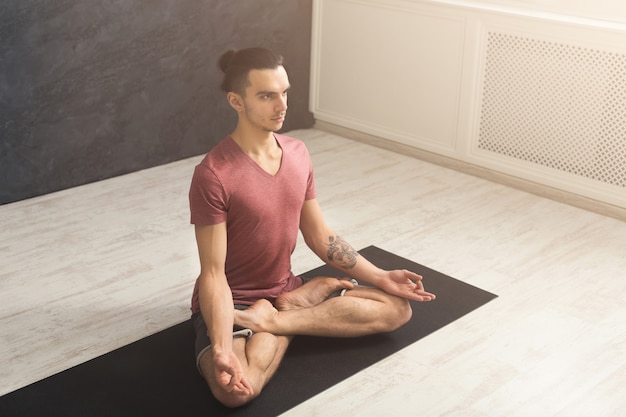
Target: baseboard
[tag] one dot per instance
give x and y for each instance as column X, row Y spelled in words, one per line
column 477, row 171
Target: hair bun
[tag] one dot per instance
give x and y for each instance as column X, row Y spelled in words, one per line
column 226, row 59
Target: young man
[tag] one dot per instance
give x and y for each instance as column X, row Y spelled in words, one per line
column 249, row 197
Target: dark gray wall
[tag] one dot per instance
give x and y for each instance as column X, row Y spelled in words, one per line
column 91, row 89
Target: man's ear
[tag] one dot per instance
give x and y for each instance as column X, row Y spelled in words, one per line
column 235, row 101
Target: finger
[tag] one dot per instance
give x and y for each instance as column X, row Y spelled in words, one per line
column 417, row 297
column 412, row 276
column 346, row 283
column 235, row 379
column 243, row 388
column 425, row 294
column 247, row 386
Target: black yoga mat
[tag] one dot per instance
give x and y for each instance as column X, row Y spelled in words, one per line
column 156, row 376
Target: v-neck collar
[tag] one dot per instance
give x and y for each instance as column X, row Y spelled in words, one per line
column 255, row 163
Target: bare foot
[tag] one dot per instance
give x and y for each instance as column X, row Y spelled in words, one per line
column 312, row 293
column 258, row 317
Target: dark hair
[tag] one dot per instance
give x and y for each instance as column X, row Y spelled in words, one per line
column 237, row 64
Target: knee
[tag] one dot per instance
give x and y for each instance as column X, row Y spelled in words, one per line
column 400, row 313
column 232, row 400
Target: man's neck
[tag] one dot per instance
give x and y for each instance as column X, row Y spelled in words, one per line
column 262, row 147
column 254, row 142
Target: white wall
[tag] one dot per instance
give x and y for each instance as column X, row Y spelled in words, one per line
column 532, row 95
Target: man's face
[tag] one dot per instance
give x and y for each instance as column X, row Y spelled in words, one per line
column 265, row 102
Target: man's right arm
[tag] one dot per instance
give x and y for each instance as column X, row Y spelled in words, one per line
column 216, row 302
column 216, row 305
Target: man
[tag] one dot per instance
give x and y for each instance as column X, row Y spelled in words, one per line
column 248, row 197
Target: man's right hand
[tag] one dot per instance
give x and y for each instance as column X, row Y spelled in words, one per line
column 229, row 374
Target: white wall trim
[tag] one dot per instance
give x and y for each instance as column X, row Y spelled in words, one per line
column 606, row 22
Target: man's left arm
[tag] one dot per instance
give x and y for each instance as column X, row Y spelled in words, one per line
column 338, row 253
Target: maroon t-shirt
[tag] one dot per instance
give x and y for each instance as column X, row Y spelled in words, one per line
column 261, row 211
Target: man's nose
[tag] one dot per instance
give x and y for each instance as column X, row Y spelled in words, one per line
column 281, row 106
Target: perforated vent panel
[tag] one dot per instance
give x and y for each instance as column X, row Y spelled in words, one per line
column 556, row 105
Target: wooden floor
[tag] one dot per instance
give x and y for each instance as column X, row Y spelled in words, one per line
column 90, row 269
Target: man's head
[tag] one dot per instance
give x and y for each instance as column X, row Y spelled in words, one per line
column 256, row 84
column 236, row 66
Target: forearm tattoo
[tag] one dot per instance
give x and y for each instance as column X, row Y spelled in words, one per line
column 341, row 252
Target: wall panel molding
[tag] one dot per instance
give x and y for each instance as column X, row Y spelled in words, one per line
column 364, row 79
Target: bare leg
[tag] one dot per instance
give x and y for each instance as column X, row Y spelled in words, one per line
column 311, row 293
column 360, row 312
column 260, row 356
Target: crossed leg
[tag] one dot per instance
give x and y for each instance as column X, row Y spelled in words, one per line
column 259, row 356
column 306, row 311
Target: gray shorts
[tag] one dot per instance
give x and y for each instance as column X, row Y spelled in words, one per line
column 203, row 342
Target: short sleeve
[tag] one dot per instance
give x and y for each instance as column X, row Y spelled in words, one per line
column 311, row 193
column 207, row 199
